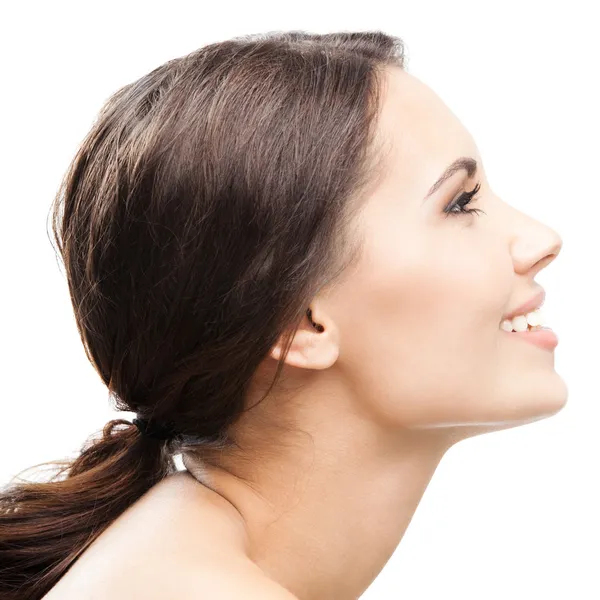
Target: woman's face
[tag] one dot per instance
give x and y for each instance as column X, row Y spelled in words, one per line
column 418, row 320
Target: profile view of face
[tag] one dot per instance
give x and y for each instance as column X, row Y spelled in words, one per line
column 417, row 322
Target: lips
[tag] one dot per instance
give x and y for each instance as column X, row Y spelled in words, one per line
column 534, row 302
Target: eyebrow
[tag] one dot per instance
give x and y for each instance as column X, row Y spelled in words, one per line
column 465, row 163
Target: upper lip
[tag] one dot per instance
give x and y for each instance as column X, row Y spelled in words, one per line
column 529, row 306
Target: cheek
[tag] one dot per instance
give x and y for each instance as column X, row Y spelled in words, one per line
column 438, row 293
column 426, row 342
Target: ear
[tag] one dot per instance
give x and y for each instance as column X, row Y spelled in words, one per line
column 314, row 346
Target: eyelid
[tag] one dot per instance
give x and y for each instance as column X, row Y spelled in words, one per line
column 475, row 189
column 470, row 195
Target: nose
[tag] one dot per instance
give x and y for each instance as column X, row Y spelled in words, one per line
column 534, row 245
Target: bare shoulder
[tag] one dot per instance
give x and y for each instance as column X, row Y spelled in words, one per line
column 173, row 543
column 228, row 580
column 235, row 581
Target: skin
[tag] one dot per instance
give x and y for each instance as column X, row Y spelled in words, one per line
column 411, row 360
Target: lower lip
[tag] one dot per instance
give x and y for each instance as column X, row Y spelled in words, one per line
column 543, row 338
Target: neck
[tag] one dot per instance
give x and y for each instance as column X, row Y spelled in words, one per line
column 323, row 516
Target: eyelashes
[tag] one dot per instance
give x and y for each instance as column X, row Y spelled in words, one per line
column 462, row 201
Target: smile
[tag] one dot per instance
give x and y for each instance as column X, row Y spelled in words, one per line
column 532, row 321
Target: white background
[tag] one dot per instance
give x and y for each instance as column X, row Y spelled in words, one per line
column 510, row 514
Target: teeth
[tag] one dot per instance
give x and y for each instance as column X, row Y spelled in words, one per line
column 534, row 319
column 520, row 323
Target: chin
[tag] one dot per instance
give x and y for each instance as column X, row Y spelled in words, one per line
column 546, row 396
column 515, row 409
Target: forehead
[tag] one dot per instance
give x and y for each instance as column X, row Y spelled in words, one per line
column 423, row 135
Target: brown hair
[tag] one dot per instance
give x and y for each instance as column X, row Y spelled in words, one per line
column 211, row 200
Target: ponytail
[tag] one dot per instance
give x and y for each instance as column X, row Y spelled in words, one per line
column 45, row 527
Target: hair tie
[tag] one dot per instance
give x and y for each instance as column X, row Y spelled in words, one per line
column 154, row 430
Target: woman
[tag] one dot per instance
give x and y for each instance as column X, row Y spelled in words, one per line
column 284, row 255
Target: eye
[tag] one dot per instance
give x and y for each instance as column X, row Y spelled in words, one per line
column 458, row 206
